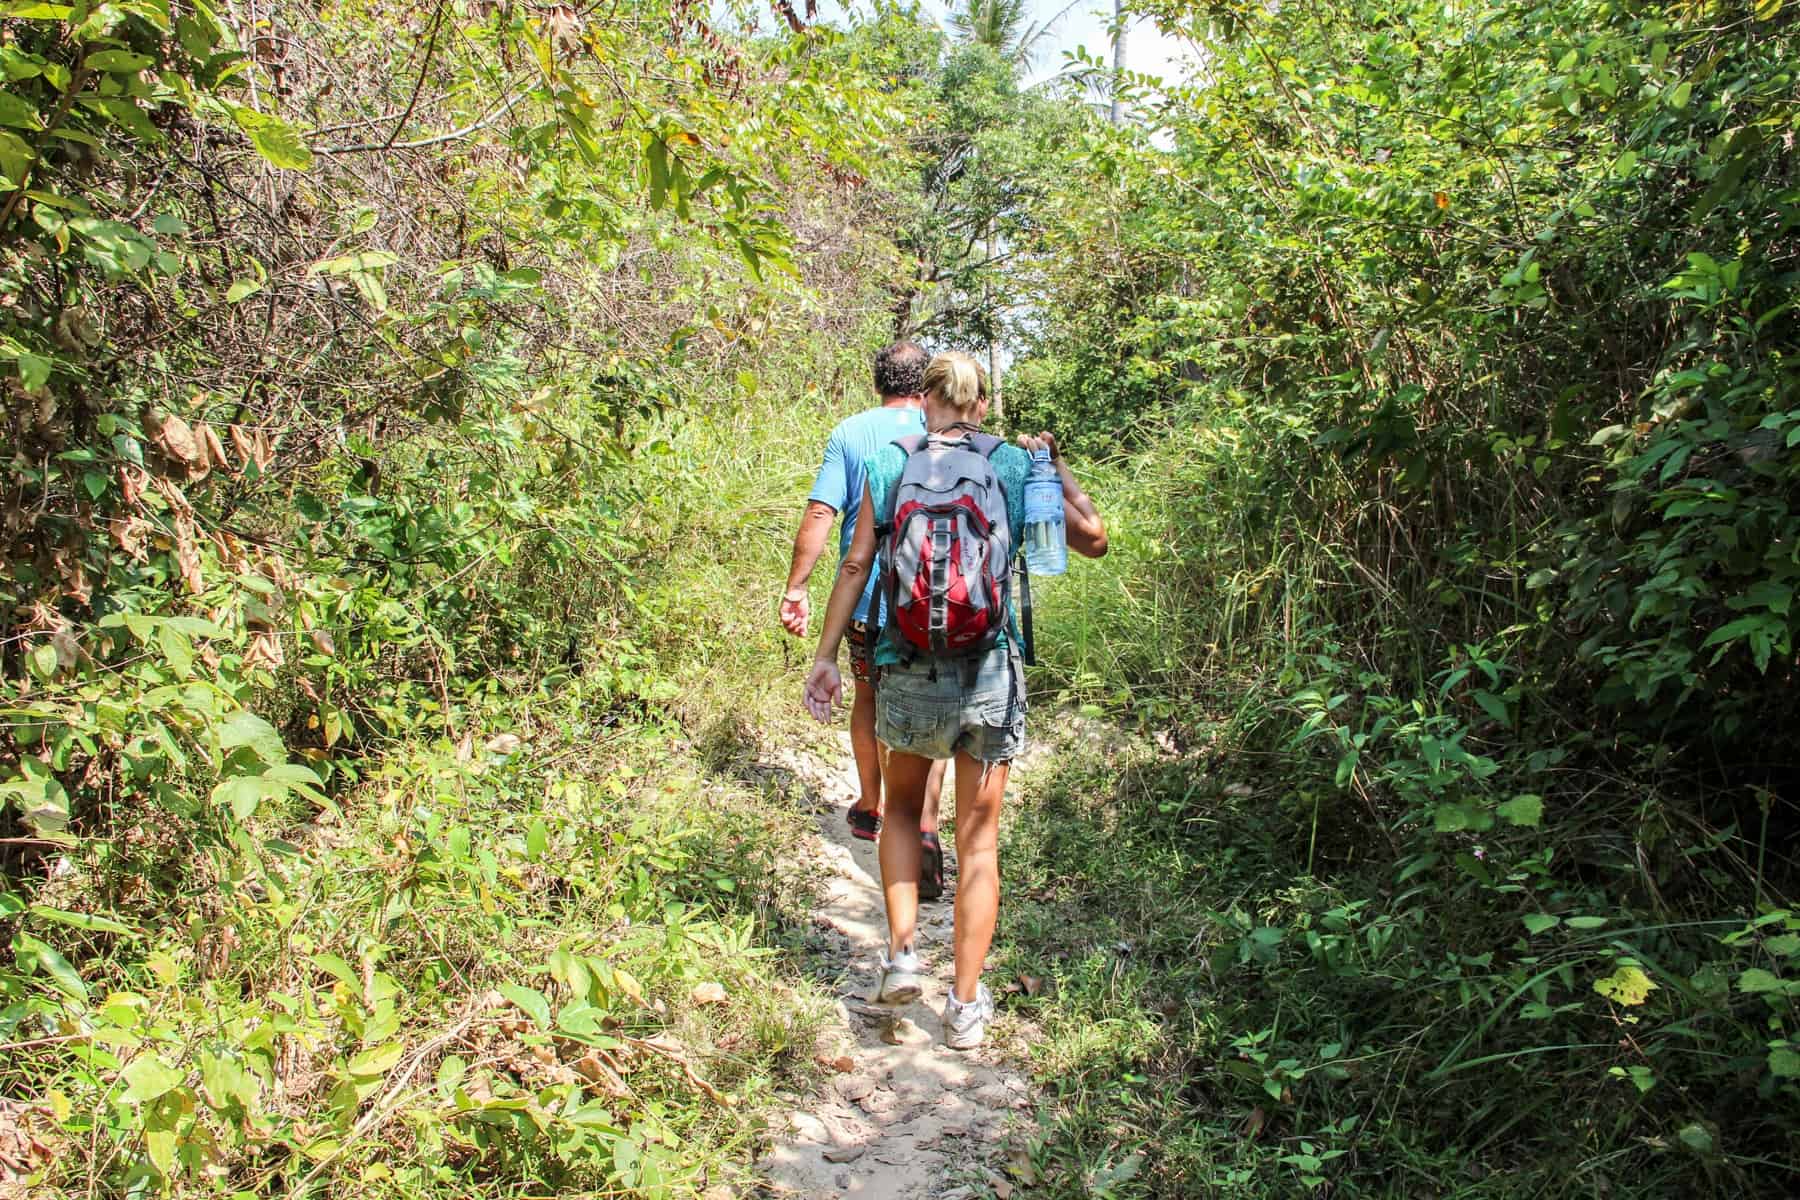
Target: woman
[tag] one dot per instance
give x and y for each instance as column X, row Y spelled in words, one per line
column 924, row 713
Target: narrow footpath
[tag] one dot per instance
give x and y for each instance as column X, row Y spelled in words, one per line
column 902, row 1115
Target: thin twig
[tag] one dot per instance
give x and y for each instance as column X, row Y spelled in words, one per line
column 453, row 135
column 437, row 20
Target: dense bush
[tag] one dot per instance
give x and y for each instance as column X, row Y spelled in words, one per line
column 1452, row 349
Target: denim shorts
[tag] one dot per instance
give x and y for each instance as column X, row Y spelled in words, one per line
column 934, row 711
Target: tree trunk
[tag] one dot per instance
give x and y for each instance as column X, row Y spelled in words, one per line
column 1118, row 68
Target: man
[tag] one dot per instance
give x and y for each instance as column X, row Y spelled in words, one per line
column 900, row 382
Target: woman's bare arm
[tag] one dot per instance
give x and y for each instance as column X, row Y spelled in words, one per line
column 853, row 576
column 1086, row 531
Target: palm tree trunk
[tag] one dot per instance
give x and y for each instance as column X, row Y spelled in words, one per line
column 1118, row 70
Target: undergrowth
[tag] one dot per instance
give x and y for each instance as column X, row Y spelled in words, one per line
column 1233, row 993
column 535, row 957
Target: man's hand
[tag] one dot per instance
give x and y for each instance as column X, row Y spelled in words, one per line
column 796, row 607
column 1043, row 441
column 824, row 689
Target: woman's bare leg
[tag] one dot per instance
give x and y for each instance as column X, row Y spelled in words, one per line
column 979, row 787
column 905, row 779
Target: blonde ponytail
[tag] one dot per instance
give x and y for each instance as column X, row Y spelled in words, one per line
column 957, row 380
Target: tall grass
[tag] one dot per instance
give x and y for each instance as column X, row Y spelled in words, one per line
column 1339, row 928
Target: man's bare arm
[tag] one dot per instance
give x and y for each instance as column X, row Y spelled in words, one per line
column 809, row 543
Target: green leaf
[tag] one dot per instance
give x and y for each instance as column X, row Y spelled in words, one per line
column 1784, row 1063
column 17, row 113
column 34, row 371
column 94, row 484
column 245, row 728
column 43, row 661
column 450, row 1072
column 1698, row 1138
column 39, row 797
column 338, row 969
column 1757, row 981
column 1460, row 818
column 349, row 264
column 1585, row 922
column 242, row 794
column 537, row 839
column 33, row 957
column 116, row 60
column 1679, row 97
column 40, row 12
column 1523, row 810
column 274, row 139
column 225, row 1080
column 146, row 1077
column 657, row 153
column 1627, row 985
column 242, row 288
column 77, row 920
column 1538, row 922
column 1493, row 706
column 530, row 1001
column 377, row 1061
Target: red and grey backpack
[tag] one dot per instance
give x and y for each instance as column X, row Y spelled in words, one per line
column 946, row 548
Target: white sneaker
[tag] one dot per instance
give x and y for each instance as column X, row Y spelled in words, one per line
column 965, row 1025
column 900, row 982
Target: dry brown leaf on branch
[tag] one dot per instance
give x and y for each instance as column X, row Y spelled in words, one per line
column 187, row 554
column 244, row 442
column 231, row 557
column 563, row 25
column 41, row 618
column 265, row 651
column 176, row 498
column 72, row 573
column 179, row 443
column 132, row 482
column 274, row 568
column 597, row 1070
column 130, row 535
column 22, row 1150
column 215, row 449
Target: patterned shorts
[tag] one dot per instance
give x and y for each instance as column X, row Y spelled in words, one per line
column 861, row 669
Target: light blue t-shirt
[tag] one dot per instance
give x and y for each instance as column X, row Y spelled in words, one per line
column 840, row 480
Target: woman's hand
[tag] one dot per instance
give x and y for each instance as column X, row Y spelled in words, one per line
column 824, row 688
column 1086, row 531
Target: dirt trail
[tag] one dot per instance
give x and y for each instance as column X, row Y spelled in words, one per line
column 910, row 1117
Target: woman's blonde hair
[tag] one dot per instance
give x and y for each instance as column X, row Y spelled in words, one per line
column 956, row 379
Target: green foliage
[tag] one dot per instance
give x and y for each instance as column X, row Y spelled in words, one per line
column 480, row 965
column 334, row 350
column 1441, row 360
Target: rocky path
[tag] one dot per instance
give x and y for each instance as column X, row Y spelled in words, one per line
column 902, row 1116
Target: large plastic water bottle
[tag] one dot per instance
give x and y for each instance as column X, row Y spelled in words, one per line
column 1046, row 540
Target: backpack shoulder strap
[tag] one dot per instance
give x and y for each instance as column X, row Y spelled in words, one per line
column 986, row 444
column 909, row 446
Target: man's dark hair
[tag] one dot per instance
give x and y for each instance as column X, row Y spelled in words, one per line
column 900, row 369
